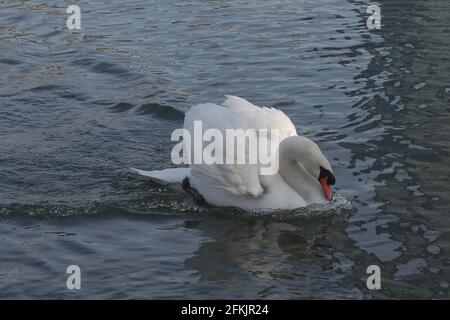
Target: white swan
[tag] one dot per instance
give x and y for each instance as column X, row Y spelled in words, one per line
column 304, row 176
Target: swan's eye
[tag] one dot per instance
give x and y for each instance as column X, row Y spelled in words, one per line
column 327, row 173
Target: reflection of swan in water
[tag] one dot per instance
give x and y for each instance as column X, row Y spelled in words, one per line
column 264, row 258
column 304, row 176
column 241, row 246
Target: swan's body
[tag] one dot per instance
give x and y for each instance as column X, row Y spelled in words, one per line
column 304, row 173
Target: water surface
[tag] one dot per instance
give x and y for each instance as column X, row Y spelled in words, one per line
column 78, row 108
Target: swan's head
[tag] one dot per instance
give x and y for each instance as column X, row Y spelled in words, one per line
column 307, row 155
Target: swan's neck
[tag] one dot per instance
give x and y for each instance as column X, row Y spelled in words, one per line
column 296, row 176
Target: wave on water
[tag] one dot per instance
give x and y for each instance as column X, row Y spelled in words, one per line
column 339, row 206
column 173, row 205
column 160, row 111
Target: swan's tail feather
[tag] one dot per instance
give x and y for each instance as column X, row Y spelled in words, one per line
column 166, row 176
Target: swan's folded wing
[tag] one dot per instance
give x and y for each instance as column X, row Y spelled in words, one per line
column 235, row 113
column 261, row 118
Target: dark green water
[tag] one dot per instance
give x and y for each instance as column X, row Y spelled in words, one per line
column 78, row 108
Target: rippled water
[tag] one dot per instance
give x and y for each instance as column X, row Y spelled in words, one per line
column 78, row 108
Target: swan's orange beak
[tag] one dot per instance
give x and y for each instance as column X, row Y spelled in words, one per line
column 326, row 187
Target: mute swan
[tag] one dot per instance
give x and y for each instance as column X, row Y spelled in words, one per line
column 304, row 175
